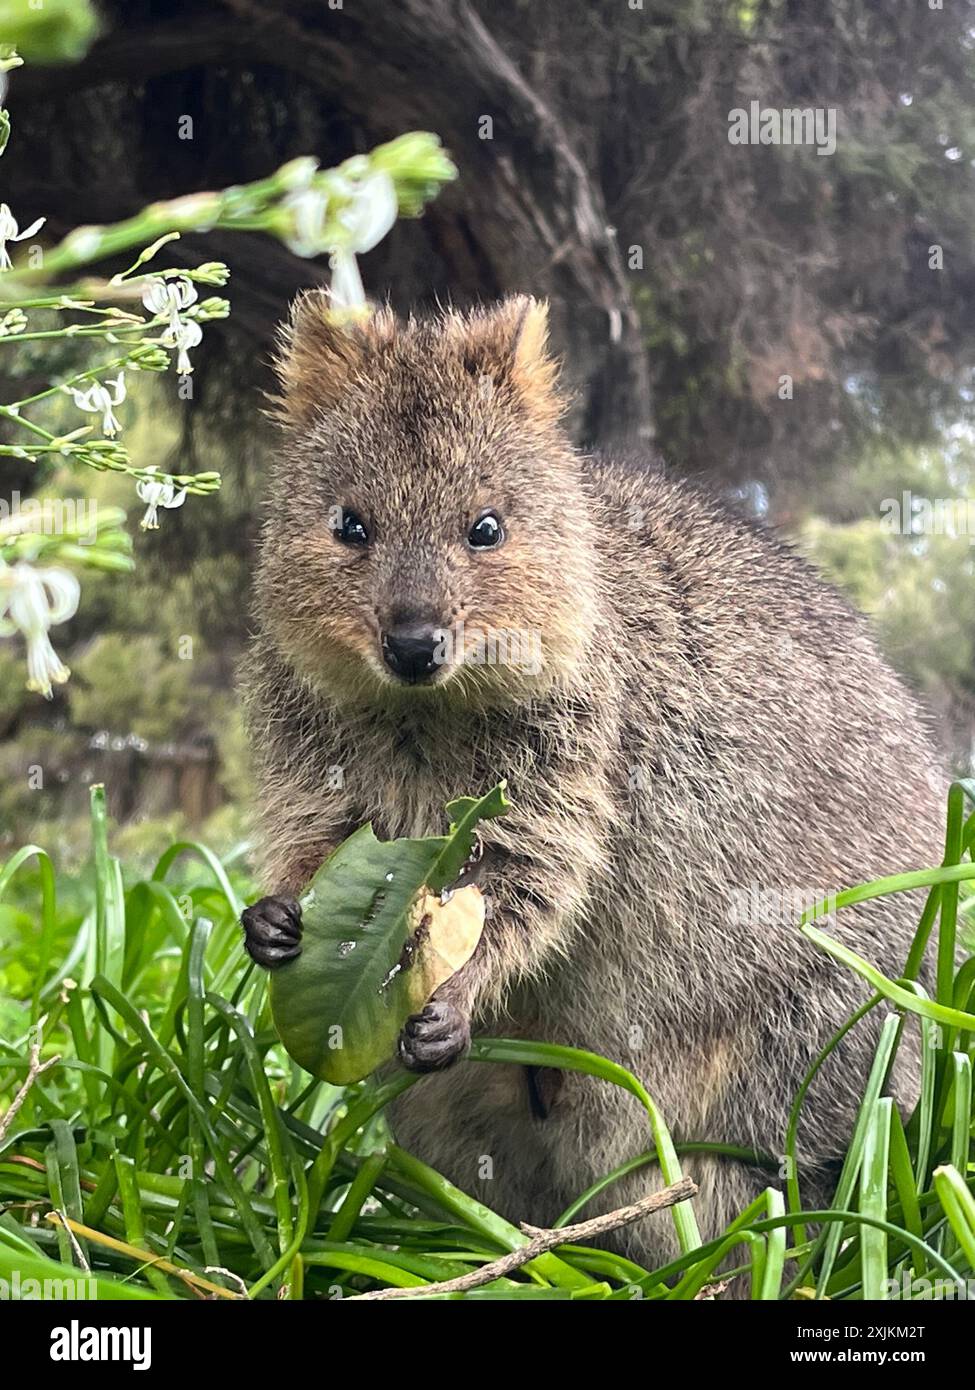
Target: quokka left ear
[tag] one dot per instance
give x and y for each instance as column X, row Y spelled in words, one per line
column 509, row 343
column 320, row 353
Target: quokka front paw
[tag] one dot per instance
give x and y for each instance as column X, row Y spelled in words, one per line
column 272, row 931
column 435, row 1038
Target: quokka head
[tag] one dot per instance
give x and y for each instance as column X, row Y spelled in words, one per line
column 429, row 535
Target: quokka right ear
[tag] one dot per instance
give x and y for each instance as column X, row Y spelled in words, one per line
column 319, row 352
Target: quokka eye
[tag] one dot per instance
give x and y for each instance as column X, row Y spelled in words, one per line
column 349, row 528
column 486, row 532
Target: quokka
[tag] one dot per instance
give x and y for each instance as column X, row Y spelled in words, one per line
column 709, row 722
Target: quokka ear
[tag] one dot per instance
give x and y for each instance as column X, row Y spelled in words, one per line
column 510, row 344
column 319, row 352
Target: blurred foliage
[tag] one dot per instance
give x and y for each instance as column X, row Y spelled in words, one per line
column 915, row 584
column 913, row 590
column 48, row 31
column 14, row 697
column 149, row 707
column 130, row 683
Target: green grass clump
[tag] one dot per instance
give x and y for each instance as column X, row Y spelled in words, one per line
column 166, row 1146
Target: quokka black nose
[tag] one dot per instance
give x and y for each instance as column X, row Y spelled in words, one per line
column 410, row 651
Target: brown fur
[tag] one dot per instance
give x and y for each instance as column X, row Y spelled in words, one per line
column 709, row 715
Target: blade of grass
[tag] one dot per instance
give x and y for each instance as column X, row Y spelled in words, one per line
column 359, row 1189
column 904, row 1179
column 829, row 1241
column 274, row 1134
column 135, row 1230
column 770, row 1285
column 167, row 1063
column 961, row 1110
column 792, row 1131
column 45, row 870
column 213, row 864
column 959, row 1207
column 873, row 1199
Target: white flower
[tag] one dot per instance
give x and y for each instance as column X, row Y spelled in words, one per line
column 99, row 400
column 372, row 212
column 366, row 220
column 9, row 231
column 157, row 494
column 167, row 297
column 347, row 289
column 31, row 601
column 186, row 334
column 307, row 209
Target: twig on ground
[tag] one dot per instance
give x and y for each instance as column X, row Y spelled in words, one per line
column 79, row 1253
column 540, row 1242
column 144, row 1257
column 34, row 1069
column 711, row 1291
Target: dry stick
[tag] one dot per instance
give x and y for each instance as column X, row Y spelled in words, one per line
column 79, row 1253
column 543, row 1240
column 34, row 1069
column 144, row 1257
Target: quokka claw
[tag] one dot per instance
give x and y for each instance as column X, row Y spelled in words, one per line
column 272, row 931
column 434, row 1038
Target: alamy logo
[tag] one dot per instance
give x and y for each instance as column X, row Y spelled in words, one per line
column 52, row 516
column 909, row 515
column 78, row 1343
column 493, row 646
column 789, row 126
column 911, row 1286
column 756, row 906
column 30, row 1290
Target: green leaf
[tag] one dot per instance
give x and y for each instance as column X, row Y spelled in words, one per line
column 340, row 1005
column 959, row 1207
column 874, row 1179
